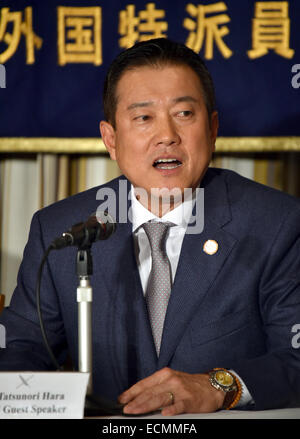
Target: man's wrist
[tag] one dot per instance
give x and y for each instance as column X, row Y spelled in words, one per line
column 227, row 383
column 219, row 395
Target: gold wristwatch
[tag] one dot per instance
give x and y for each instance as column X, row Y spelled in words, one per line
column 222, row 379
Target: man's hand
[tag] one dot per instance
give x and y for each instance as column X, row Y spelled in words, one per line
column 173, row 392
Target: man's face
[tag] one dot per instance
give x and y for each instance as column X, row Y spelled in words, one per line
column 163, row 137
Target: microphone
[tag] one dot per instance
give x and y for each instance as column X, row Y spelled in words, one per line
column 99, row 226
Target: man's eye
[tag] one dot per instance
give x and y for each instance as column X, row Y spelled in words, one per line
column 185, row 113
column 142, row 118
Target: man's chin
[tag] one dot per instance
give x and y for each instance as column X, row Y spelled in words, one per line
column 161, row 200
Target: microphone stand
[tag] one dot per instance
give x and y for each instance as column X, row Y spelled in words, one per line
column 84, row 299
column 94, row 404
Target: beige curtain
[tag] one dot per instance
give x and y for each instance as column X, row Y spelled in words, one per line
column 278, row 170
column 31, row 182
column 19, row 199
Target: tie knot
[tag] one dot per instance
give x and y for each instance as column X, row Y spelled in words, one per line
column 157, row 233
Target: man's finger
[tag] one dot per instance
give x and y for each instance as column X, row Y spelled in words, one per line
column 147, row 383
column 149, row 401
column 175, row 409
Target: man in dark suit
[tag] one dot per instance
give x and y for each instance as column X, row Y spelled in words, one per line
column 225, row 339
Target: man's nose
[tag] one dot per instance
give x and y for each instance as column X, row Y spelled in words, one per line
column 167, row 133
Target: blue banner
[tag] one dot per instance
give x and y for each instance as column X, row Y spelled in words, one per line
column 56, row 53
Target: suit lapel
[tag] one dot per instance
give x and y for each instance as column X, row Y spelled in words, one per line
column 130, row 343
column 197, row 269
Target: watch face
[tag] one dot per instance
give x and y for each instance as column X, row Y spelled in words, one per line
column 224, row 378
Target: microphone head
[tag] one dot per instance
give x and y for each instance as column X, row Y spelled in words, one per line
column 99, row 226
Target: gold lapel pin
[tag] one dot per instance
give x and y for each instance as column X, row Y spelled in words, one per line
column 210, row 247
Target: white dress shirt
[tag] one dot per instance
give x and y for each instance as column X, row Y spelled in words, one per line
column 140, row 215
column 180, row 218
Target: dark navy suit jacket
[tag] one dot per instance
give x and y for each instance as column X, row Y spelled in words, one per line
column 234, row 309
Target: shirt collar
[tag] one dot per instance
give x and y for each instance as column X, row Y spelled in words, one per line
column 179, row 216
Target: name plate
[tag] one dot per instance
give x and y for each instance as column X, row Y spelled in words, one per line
column 42, row 395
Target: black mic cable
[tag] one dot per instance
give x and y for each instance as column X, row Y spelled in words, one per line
column 39, row 311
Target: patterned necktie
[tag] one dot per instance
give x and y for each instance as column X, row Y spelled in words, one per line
column 159, row 284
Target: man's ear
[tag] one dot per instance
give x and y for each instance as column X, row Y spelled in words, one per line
column 109, row 138
column 214, row 129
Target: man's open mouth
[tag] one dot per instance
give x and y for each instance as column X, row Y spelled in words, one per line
column 170, row 163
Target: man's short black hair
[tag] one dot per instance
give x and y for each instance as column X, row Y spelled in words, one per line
column 154, row 53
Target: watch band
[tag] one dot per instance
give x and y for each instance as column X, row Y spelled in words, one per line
column 232, row 398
